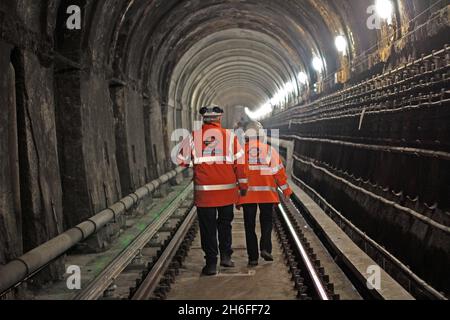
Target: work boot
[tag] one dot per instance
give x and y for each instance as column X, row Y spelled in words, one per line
column 266, row 256
column 253, row 263
column 209, row 270
column 226, row 262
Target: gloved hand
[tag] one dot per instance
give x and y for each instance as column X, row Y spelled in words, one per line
column 243, row 193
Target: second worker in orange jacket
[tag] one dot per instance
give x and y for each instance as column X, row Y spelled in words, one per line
column 266, row 173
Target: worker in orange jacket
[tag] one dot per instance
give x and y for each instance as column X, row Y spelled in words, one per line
column 266, row 174
column 219, row 179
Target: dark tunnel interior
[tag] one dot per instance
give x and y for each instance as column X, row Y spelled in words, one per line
column 360, row 86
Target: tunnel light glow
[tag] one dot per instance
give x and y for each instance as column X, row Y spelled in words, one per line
column 263, row 111
column 278, row 99
column 384, row 9
column 289, row 87
column 317, row 64
column 341, row 44
column 303, row 78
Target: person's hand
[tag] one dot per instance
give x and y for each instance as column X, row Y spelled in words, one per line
column 243, row 193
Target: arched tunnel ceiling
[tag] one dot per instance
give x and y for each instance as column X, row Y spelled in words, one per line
column 189, row 53
column 275, row 41
column 245, row 60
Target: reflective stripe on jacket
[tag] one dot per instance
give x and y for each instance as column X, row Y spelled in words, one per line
column 219, row 167
column 266, row 173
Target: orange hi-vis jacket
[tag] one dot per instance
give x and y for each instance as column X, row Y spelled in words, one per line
column 219, row 165
column 266, row 173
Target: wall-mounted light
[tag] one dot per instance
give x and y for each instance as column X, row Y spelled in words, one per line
column 317, row 64
column 341, row 44
column 384, row 9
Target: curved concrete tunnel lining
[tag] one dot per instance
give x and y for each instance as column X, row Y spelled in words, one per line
column 222, row 70
column 238, row 81
column 146, row 15
column 224, row 27
column 273, row 74
column 239, row 60
column 259, row 93
column 338, row 33
column 203, row 89
column 308, row 50
column 269, row 85
column 197, row 55
column 236, row 89
column 257, row 44
column 152, row 14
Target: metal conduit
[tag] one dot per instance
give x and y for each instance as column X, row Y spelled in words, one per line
column 20, row 268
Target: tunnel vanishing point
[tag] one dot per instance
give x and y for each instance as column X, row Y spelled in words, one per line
column 91, row 92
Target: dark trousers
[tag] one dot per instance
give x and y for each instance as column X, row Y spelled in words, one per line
column 213, row 221
column 266, row 211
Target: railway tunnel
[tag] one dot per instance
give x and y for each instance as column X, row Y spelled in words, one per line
column 93, row 92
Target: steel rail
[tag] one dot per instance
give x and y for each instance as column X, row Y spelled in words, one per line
column 96, row 287
column 304, row 255
column 148, row 286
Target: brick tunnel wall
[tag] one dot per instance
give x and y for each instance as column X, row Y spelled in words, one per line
column 72, row 141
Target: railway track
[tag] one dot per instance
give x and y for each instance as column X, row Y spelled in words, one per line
column 144, row 254
column 162, row 272
column 157, row 266
column 149, row 266
column 308, row 277
column 317, row 270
